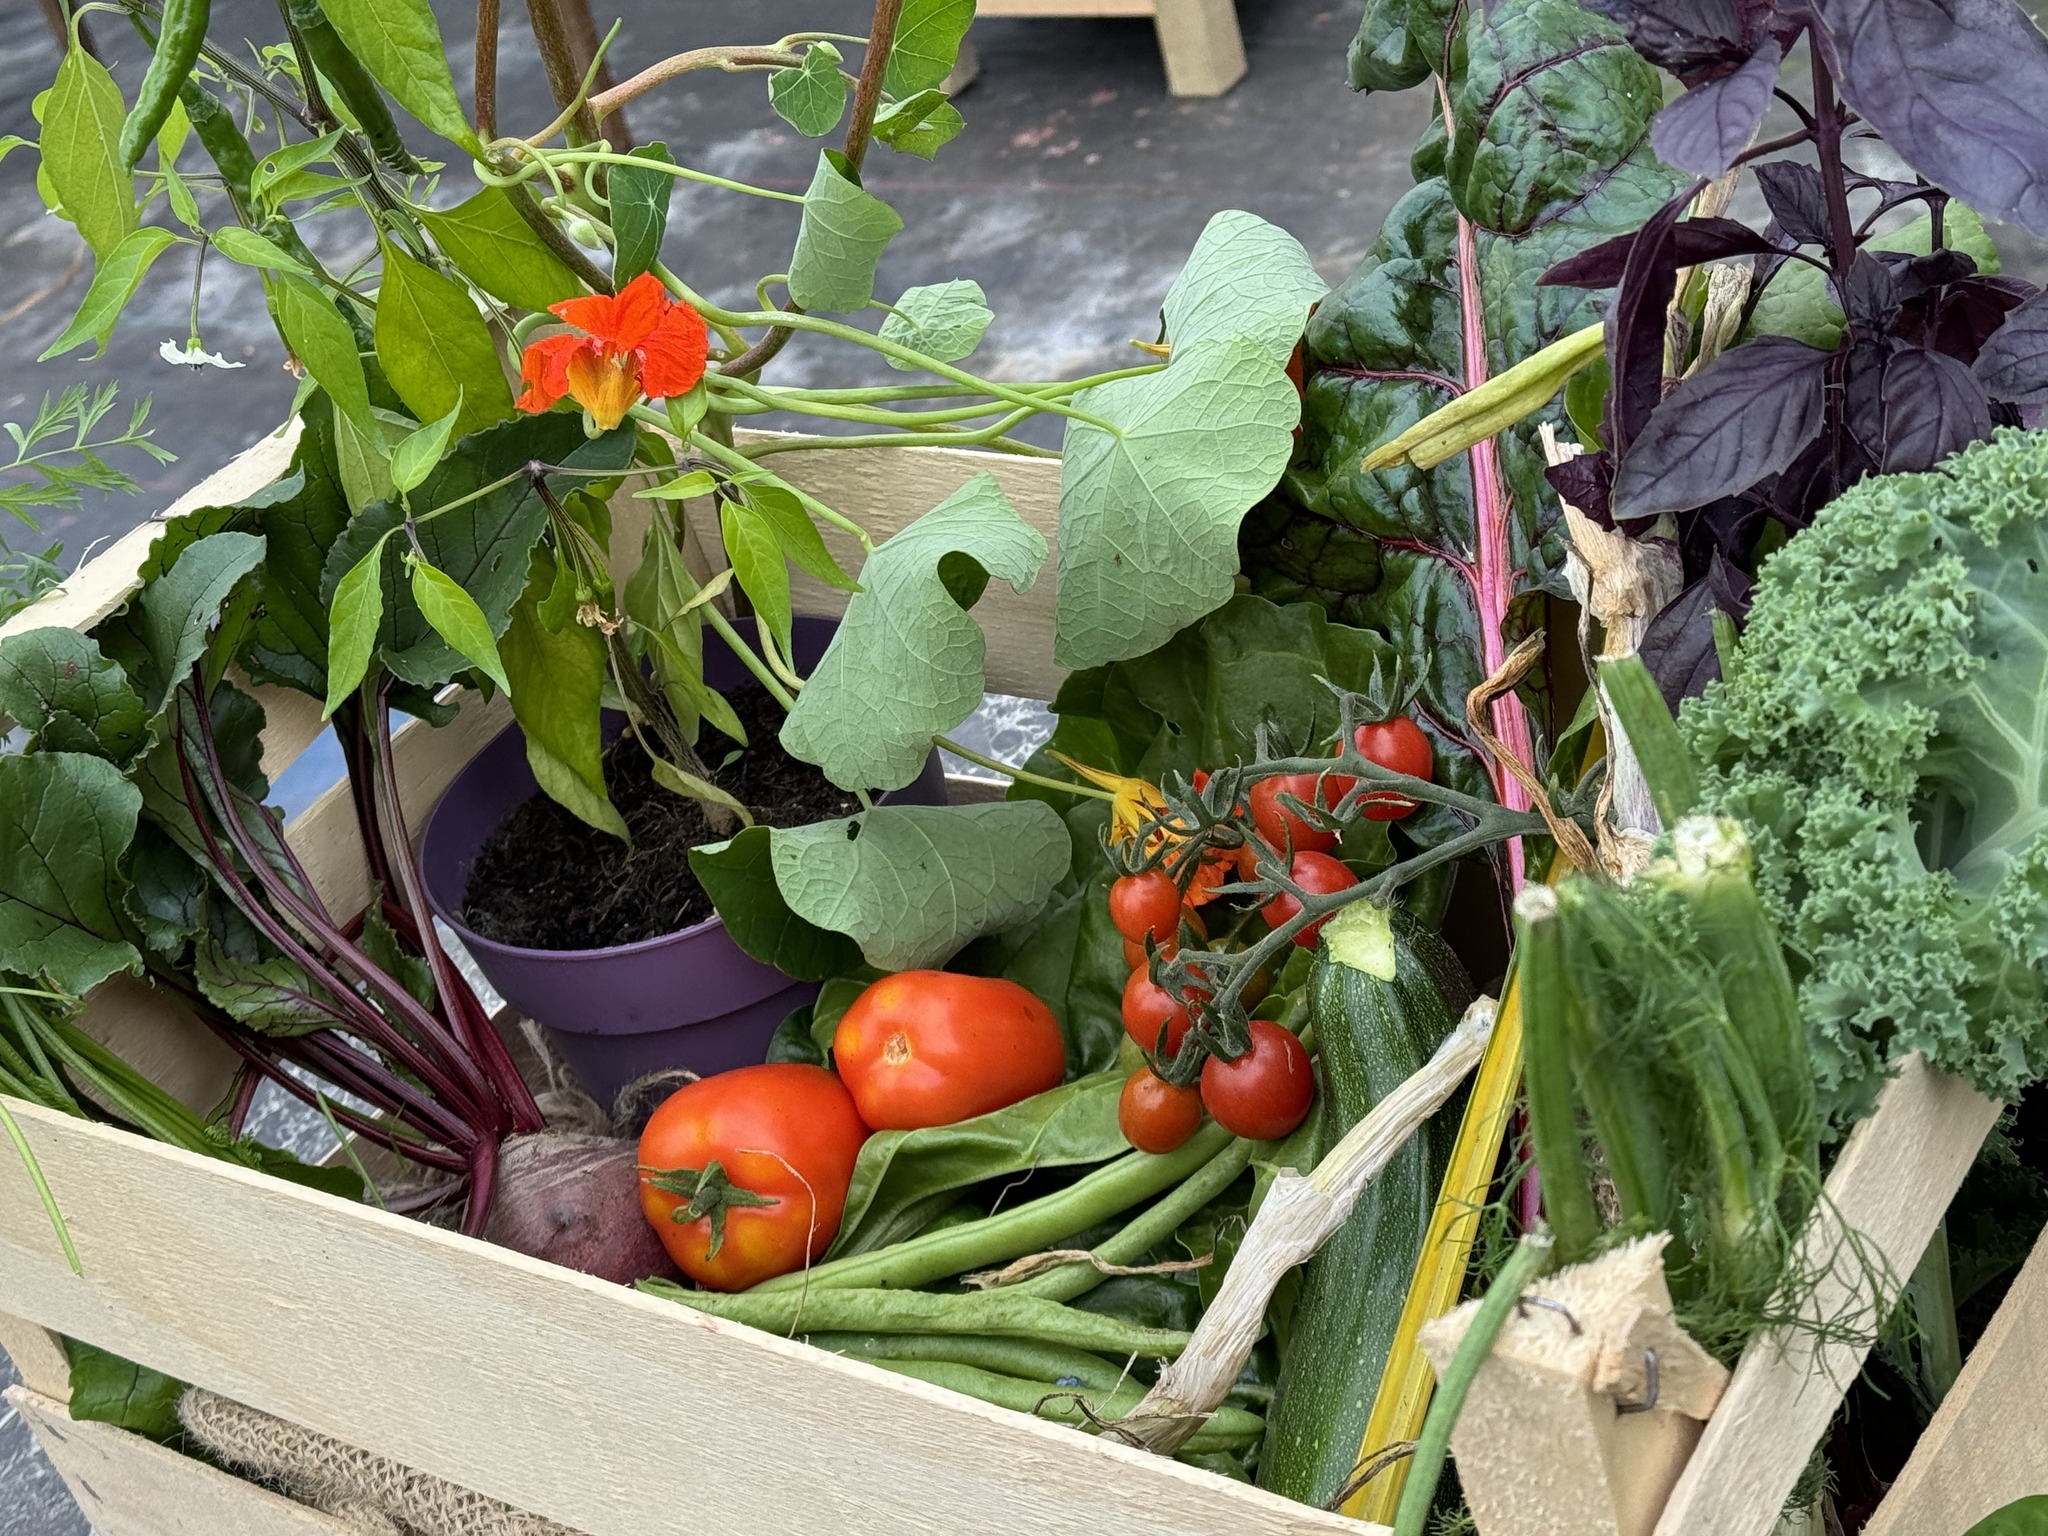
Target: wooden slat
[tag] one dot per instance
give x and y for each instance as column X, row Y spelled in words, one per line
column 1986, row 1446
column 1890, row 1186
column 38, row 1357
column 1200, row 45
column 550, row 1390
column 129, row 1486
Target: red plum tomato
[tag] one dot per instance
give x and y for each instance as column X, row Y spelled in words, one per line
column 1282, row 827
column 927, row 1048
column 1154, row 1115
column 1266, row 1092
column 783, row 1134
column 1319, row 875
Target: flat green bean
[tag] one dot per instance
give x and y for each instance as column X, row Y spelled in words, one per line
column 1226, row 1429
column 1032, row 1359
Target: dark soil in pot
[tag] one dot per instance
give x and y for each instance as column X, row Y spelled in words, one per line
column 547, row 880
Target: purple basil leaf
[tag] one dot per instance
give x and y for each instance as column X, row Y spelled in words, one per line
column 2013, row 364
column 1863, row 392
column 1584, row 481
column 1742, row 417
column 1869, row 294
column 1706, row 128
column 1933, row 405
column 1693, row 242
column 1635, row 324
column 1957, row 88
column 1968, row 313
column 1678, row 646
column 1683, row 36
column 1798, row 201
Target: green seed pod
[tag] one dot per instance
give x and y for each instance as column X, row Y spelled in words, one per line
column 179, row 39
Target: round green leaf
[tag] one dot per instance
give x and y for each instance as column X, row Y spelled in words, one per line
column 840, row 241
column 812, row 97
column 944, row 321
column 1245, row 277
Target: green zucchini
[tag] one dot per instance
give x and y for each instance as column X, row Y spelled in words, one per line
column 1374, row 1031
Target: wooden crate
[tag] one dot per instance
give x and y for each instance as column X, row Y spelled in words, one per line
column 622, row 1415
column 1198, row 39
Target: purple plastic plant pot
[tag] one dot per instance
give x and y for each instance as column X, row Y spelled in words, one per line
column 691, row 999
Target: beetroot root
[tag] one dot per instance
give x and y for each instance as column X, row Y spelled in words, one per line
column 574, row 1200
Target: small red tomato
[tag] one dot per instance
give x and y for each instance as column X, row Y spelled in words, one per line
column 1134, row 952
column 931, row 1048
column 1266, row 1092
column 1282, row 827
column 1400, row 745
column 1146, row 903
column 1319, row 875
column 1154, row 1115
column 1149, row 1008
column 783, row 1139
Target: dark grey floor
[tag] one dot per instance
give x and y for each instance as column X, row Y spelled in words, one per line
column 1071, row 198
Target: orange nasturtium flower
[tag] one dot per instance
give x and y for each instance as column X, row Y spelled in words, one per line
column 639, row 342
column 1136, row 805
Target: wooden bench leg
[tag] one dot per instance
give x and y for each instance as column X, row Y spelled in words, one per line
column 1200, row 43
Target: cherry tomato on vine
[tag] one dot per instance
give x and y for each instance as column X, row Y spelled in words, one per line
column 1145, row 903
column 1400, row 745
column 1154, row 1115
column 930, row 1048
column 1134, row 952
column 764, row 1155
column 1267, row 1091
column 1284, row 828
column 1319, row 875
column 1149, row 1008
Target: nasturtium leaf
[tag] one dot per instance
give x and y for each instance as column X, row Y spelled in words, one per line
column 758, row 565
column 840, row 240
column 639, row 209
column 902, row 1178
column 435, row 348
column 911, row 883
column 1149, row 513
column 739, row 877
column 485, row 539
column 557, row 679
column 106, row 1389
column 784, row 512
column 919, row 125
column 1244, row 277
column 944, row 321
column 274, row 996
column 322, row 340
column 249, row 249
column 169, row 624
column 57, row 684
column 457, row 619
column 352, row 627
column 420, row 450
column 906, row 660
column 928, row 38
column 492, row 246
column 812, row 97
column 65, row 820
column 113, row 285
column 82, row 117
column 401, row 46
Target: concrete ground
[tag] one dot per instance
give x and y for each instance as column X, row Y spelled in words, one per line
column 1072, row 198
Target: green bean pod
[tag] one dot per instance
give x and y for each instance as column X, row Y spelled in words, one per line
column 1002, row 1314
column 179, row 38
column 1032, row 1359
column 352, row 83
column 1227, row 1429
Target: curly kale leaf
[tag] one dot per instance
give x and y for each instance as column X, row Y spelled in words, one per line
column 1884, row 729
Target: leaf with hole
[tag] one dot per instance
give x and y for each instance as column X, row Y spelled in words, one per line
column 944, row 321
column 906, row 660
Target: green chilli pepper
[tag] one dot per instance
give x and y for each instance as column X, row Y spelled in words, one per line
column 179, row 37
column 351, row 82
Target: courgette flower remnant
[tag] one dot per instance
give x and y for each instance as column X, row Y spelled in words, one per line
column 638, row 343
